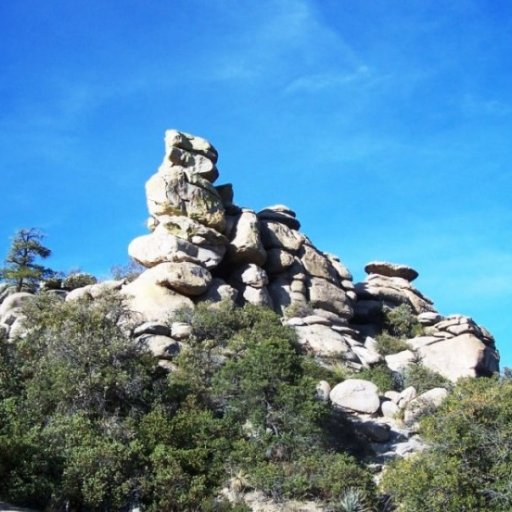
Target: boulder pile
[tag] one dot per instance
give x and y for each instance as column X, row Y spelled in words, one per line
column 201, row 246
column 204, row 247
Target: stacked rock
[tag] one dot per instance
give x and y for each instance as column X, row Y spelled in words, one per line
column 204, row 247
column 270, row 262
column 187, row 220
column 389, row 285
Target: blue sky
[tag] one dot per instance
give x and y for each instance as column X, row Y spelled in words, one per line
column 386, row 125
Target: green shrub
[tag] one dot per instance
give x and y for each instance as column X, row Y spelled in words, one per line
column 298, row 309
column 384, row 378
column 423, row 379
column 316, row 476
column 388, row 344
column 90, row 422
column 353, row 500
column 78, row 280
column 402, row 322
column 469, row 463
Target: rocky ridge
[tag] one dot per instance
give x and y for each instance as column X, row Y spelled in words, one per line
column 203, row 247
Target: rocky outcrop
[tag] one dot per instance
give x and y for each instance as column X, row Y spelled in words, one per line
column 204, row 247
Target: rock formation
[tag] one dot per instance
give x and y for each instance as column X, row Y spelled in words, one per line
column 203, row 247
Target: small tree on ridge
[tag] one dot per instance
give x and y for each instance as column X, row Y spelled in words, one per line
column 20, row 266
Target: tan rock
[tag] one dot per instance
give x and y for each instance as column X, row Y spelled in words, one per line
column 193, row 163
column 280, row 213
column 278, row 260
column 325, row 295
column 187, row 278
column 389, row 409
column 321, row 340
column 339, row 267
column 322, row 390
column 162, row 347
column 356, row 395
column 245, row 243
column 219, row 291
column 153, row 302
column 160, row 247
column 15, row 301
column 391, row 270
column 275, row 234
column 180, row 330
column 257, row 296
column 316, row 264
column 172, row 191
column 192, row 231
column 424, row 403
column 251, row 275
column 176, row 139
column 366, row 356
column 461, row 356
column 400, row 361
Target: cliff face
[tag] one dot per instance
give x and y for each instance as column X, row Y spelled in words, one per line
column 203, row 247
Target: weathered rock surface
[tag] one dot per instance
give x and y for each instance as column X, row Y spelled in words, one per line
column 391, row 270
column 280, row 213
column 356, row 395
column 245, row 245
column 187, row 278
column 153, row 302
column 192, row 143
column 173, row 191
column 203, row 247
column 424, row 403
column 160, row 247
column 393, row 291
column 460, row 356
column 322, row 340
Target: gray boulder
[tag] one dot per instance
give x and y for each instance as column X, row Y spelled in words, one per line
column 356, row 395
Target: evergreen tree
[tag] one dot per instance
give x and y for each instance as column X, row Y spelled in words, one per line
column 21, row 268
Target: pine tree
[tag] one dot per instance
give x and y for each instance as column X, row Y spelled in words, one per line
column 20, row 267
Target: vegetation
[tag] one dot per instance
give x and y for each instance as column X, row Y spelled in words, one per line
column 384, row 378
column 388, row 344
column 423, row 379
column 130, row 271
column 77, row 279
column 21, row 268
column 400, row 323
column 90, row 422
column 469, row 464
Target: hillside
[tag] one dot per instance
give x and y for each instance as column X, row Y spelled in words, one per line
column 243, row 369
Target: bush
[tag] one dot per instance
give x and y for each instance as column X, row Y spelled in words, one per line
column 384, row 378
column 402, row 322
column 388, row 344
column 89, row 421
column 129, row 272
column 328, row 477
column 470, row 460
column 298, row 309
column 78, row 280
column 423, row 379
